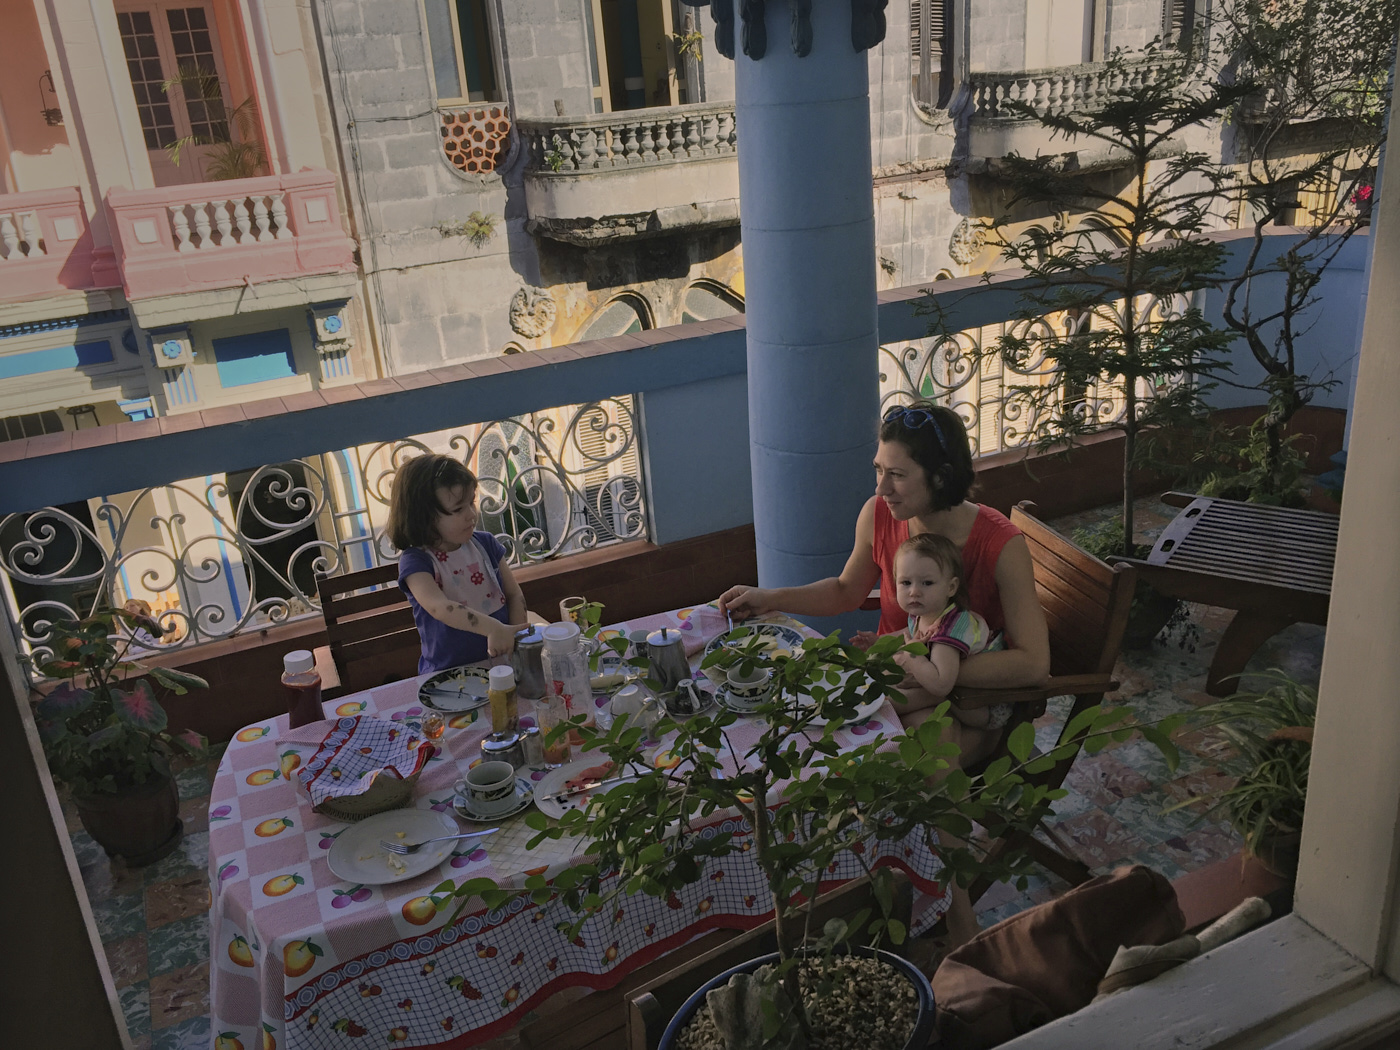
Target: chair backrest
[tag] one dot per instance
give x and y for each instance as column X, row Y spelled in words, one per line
column 1086, row 601
column 370, row 627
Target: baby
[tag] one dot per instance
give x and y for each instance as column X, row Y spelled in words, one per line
column 928, row 579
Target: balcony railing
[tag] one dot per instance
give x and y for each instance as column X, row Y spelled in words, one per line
column 632, row 138
column 226, row 234
column 237, row 549
column 1054, row 92
column 45, row 244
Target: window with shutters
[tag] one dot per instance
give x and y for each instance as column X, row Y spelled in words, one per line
column 1179, row 23
column 931, row 47
column 611, row 489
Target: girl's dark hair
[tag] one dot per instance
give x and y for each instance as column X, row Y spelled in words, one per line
column 413, row 502
column 937, row 441
column 939, row 548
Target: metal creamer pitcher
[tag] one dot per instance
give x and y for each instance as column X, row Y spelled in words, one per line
column 666, row 653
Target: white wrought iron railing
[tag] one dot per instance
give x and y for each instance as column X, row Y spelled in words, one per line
column 662, row 135
column 231, row 552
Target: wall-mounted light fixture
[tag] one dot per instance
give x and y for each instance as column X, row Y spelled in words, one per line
column 48, row 101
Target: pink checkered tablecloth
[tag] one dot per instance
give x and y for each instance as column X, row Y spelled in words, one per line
column 301, row 959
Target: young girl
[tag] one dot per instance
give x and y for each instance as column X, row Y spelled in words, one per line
column 929, row 584
column 465, row 600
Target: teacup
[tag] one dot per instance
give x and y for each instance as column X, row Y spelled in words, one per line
column 489, row 788
column 749, row 688
column 627, row 703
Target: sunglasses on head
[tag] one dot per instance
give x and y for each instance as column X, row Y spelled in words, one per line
column 914, row 418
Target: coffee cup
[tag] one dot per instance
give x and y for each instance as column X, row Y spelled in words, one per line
column 749, row 688
column 489, row 787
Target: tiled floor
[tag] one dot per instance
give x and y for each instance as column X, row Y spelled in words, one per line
column 152, row 920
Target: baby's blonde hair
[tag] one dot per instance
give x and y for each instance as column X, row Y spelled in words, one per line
column 945, row 552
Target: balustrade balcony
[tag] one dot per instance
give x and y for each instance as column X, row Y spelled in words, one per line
column 46, row 247
column 999, row 125
column 231, row 237
column 632, row 173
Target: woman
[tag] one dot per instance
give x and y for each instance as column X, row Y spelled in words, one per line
column 923, row 471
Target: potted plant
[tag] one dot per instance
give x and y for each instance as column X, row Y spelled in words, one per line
column 1271, row 732
column 104, row 735
column 804, row 803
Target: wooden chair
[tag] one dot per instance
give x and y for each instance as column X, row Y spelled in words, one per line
column 369, row 625
column 1086, row 605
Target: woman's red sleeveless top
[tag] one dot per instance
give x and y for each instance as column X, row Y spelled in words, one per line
column 990, row 533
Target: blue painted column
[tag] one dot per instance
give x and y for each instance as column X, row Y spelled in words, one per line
column 808, row 223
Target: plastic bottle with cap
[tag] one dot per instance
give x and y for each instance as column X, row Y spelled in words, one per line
column 500, row 694
column 566, row 672
column 303, row 688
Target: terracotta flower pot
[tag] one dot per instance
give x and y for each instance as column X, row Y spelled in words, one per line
column 141, row 823
column 1279, row 853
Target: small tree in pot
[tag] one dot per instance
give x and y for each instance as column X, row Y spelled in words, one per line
column 805, row 803
column 105, row 738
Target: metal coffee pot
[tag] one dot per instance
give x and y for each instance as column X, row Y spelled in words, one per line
column 528, row 661
column 666, row 653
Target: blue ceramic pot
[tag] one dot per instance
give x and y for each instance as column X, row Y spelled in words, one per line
column 923, row 1020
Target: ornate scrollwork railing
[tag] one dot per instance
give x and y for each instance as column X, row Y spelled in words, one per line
column 228, row 553
column 1005, row 404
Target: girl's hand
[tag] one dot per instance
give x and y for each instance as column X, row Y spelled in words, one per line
column 743, row 602
column 500, row 638
column 864, row 639
column 904, row 659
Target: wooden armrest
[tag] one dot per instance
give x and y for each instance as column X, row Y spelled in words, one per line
column 1179, row 499
column 872, row 601
column 1056, row 685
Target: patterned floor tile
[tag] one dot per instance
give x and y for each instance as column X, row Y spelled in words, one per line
column 1105, row 778
column 127, row 960
column 1203, row 845
column 1158, row 862
column 1200, row 785
column 178, row 944
column 1099, row 840
column 120, row 917
column 194, row 812
column 1145, row 814
column 1147, row 760
column 110, row 877
column 193, row 782
column 190, row 1034
column 177, row 899
column 180, row 995
column 192, row 855
column 136, row 1008
column 1072, row 805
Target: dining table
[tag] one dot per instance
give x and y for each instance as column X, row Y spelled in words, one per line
column 302, row 959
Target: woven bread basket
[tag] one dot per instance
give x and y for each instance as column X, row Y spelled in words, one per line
column 384, row 793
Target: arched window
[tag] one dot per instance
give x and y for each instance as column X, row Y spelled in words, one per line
column 705, row 301
column 931, row 46
column 626, row 313
column 463, row 51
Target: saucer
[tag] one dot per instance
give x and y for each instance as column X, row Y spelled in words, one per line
column 704, row 708
column 524, row 794
column 729, row 704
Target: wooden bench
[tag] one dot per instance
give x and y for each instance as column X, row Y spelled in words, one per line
column 1273, row 565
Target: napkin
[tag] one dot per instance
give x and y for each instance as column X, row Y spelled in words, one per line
column 358, row 750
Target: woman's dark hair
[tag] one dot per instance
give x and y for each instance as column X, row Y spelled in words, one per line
column 944, row 553
column 937, row 441
column 413, row 502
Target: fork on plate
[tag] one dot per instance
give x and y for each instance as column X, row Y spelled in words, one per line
column 403, row 848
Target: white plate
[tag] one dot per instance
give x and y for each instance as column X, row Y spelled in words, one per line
column 553, row 783
column 358, row 857
column 782, row 636
column 472, row 680
column 862, row 713
column 524, row 795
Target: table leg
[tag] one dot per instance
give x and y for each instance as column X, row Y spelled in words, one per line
column 1246, row 633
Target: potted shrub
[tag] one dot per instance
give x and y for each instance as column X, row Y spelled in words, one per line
column 1271, row 732
column 806, row 803
column 104, row 737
